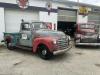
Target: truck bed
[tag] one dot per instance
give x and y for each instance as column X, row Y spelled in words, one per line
column 15, row 37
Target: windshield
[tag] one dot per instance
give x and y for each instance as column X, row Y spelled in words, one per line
column 39, row 25
column 87, row 26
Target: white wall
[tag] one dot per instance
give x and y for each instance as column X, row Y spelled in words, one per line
column 8, row 1
column 48, row 18
column 82, row 19
column 38, row 3
column 13, row 18
column 2, row 25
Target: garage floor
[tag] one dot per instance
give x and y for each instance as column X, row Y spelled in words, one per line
column 78, row 61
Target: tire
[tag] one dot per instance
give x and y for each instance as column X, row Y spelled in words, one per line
column 9, row 46
column 44, row 52
column 76, row 45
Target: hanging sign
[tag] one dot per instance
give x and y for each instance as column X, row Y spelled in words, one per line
column 83, row 10
column 49, row 6
column 23, row 4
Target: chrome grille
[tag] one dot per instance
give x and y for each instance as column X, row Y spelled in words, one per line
column 62, row 44
column 89, row 40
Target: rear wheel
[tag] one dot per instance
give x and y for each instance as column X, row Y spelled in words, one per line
column 44, row 52
column 9, row 46
column 75, row 43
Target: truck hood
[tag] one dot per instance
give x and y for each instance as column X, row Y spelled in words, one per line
column 50, row 33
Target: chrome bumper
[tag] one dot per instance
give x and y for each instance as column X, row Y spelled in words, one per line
column 62, row 51
column 92, row 44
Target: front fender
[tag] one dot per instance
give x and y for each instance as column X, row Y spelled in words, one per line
column 45, row 41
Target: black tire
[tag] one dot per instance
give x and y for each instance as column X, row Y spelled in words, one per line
column 76, row 45
column 44, row 52
column 9, row 46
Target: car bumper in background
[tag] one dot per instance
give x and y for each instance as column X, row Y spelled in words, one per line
column 91, row 44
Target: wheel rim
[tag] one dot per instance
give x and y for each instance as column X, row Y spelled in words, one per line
column 9, row 44
column 44, row 52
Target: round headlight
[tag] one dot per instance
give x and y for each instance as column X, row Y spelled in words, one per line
column 99, row 36
column 54, row 42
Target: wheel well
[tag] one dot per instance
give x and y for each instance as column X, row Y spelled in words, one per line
column 8, row 39
column 40, row 45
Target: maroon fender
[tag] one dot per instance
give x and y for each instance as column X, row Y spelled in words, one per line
column 47, row 41
column 8, row 39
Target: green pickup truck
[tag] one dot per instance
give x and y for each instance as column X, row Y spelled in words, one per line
column 37, row 37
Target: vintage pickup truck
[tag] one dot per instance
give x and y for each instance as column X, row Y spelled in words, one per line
column 87, row 34
column 37, row 37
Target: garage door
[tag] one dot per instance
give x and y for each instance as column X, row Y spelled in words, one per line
column 67, row 15
column 94, row 17
column 13, row 18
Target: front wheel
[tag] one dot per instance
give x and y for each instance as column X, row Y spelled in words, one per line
column 44, row 52
column 9, row 46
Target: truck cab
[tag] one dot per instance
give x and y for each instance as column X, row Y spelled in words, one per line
column 40, row 39
column 87, row 34
column 28, row 32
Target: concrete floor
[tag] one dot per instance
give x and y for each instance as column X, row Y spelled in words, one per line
column 78, row 61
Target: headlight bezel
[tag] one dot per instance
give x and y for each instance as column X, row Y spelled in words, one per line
column 99, row 36
column 54, row 41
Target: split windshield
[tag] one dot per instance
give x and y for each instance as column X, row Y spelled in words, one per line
column 38, row 25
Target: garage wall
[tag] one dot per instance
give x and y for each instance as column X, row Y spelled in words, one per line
column 38, row 3
column 13, row 18
column 82, row 19
column 2, row 24
column 8, row 1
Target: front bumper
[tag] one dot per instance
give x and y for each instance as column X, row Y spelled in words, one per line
column 62, row 51
column 88, row 44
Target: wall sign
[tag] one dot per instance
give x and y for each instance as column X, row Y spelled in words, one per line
column 23, row 4
column 83, row 10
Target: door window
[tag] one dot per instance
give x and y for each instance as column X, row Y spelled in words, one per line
column 26, row 27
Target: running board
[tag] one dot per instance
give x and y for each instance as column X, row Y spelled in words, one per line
column 24, row 47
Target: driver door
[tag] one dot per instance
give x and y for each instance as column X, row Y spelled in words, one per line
column 26, row 35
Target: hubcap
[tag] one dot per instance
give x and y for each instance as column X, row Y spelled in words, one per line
column 9, row 44
column 44, row 52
